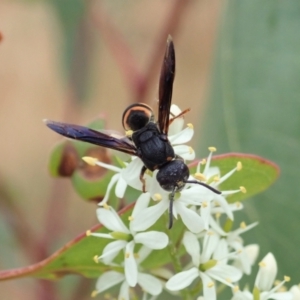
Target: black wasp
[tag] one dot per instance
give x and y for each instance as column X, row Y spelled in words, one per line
column 147, row 138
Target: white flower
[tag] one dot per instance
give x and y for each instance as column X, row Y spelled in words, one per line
column 128, row 175
column 194, row 195
column 295, row 290
column 207, row 265
column 182, row 137
column 178, row 123
column 147, row 282
column 125, row 239
column 267, row 273
column 211, row 176
column 245, row 255
column 264, row 282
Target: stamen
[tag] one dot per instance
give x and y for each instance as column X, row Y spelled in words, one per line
column 207, row 165
column 211, row 284
column 157, row 197
column 277, row 282
column 212, row 149
column 243, row 225
column 88, row 233
column 287, row 278
column 216, row 178
column 239, row 166
column 210, row 233
column 90, row 160
column 204, row 204
column 130, row 218
column 262, row 264
column 190, row 125
column 127, row 255
column 96, row 259
column 128, row 133
column 218, row 215
column 243, row 189
column 203, row 161
column 191, row 150
column 200, row 176
column 136, row 255
column 238, row 204
column 236, row 288
column 104, row 205
column 94, row 293
column 228, row 280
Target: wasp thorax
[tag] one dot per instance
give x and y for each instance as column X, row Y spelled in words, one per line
column 137, row 116
column 173, row 175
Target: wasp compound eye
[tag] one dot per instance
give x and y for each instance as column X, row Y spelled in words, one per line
column 137, row 116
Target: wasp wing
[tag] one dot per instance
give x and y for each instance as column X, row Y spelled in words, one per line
column 95, row 137
column 167, row 76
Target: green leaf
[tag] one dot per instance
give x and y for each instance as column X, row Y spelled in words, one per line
column 254, row 107
column 76, row 257
column 257, row 174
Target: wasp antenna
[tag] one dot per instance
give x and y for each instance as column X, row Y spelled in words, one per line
column 171, row 198
column 204, row 184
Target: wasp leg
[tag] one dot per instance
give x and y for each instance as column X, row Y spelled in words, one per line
column 181, row 114
column 142, row 179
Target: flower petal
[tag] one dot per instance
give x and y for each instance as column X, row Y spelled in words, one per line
column 282, row 296
column 196, row 194
column 182, row 137
column 108, row 280
column 182, row 279
column 192, row 247
column 266, row 273
column 130, row 265
column 209, row 289
column 210, row 243
column 150, row 284
column 190, row 218
column 124, row 292
column 184, row 151
column 120, row 187
column 205, row 210
column 141, row 203
column 113, row 180
column 111, row 250
column 225, row 274
column 148, row 216
column 221, row 251
column 131, row 174
column 152, row 239
column 111, row 220
column 224, row 204
column 177, row 125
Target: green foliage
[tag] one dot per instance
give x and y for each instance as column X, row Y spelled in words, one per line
column 254, row 107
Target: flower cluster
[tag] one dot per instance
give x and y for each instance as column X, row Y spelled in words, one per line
column 217, row 254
